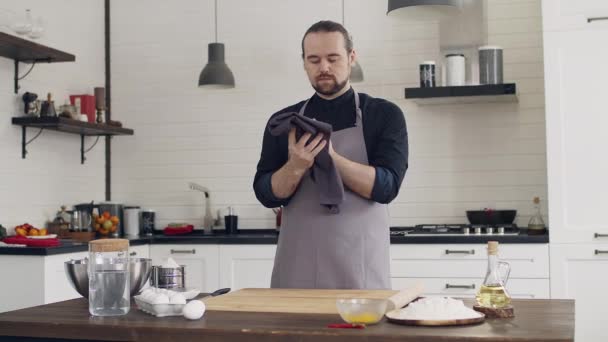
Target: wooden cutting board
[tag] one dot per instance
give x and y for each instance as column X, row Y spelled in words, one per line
column 288, row 300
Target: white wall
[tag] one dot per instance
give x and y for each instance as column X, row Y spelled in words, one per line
column 461, row 156
column 32, row 189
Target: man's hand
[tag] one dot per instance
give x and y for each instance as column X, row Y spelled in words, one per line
column 357, row 177
column 302, row 153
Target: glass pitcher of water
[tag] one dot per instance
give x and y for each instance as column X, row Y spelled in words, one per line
column 109, row 288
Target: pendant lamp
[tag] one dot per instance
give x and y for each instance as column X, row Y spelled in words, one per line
column 356, row 73
column 423, row 9
column 216, row 73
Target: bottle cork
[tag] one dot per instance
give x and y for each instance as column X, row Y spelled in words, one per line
column 109, row 245
column 492, row 247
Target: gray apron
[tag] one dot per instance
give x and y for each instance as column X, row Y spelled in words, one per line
column 348, row 250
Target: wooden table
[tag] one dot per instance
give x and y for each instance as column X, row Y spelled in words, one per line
column 536, row 320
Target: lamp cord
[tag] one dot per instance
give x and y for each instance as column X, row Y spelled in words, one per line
column 343, row 21
column 216, row 21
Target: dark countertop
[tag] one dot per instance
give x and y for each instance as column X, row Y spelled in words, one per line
column 535, row 320
column 265, row 237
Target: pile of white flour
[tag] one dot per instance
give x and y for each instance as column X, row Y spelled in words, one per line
column 436, row 308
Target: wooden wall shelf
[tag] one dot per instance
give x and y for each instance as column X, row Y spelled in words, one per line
column 66, row 125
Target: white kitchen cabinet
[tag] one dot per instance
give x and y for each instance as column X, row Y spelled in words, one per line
column 243, row 266
column 574, row 14
column 56, row 284
column 579, row 272
column 32, row 280
column 459, row 269
column 468, row 287
column 576, row 117
column 141, row 251
column 200, row 261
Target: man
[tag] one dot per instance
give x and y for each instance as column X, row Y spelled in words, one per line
column 317, row 248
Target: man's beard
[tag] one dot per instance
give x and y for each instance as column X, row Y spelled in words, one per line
column 331, row 90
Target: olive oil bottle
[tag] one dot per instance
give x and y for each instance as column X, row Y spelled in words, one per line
column 493, row 293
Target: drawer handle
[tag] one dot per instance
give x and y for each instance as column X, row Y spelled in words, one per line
column 590, row 20
column 183, row 251
column 598, row 235
column 598, row 251
column 133, row 253
column 450, row 286
column 450, row 251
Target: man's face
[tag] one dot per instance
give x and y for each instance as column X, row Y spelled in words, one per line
column 327, row 62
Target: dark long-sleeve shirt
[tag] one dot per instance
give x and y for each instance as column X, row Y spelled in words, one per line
column 385, row 135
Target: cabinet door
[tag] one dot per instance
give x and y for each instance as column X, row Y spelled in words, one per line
column 574, row 14
column 200, row 261
column 244, row 266
column 57, row 287
column 577, row 116
column 579, row 272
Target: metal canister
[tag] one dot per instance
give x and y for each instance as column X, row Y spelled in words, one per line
column 490, row 65
column 148, row 220
column 168, row 277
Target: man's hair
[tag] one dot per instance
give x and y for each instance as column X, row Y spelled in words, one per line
column 329, row 26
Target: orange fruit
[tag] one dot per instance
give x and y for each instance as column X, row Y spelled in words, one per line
column 114, row 219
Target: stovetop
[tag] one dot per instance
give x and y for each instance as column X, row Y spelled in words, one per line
column 455, row 230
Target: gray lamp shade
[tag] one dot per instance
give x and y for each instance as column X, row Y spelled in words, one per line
column 356, row 73
column 216, row 73
column 423, row 9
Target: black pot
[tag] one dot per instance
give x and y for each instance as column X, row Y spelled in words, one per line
column 491, row 217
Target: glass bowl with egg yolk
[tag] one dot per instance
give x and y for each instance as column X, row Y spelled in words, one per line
column 361, row 310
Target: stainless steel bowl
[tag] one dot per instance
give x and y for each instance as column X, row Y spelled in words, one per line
column 77, row 273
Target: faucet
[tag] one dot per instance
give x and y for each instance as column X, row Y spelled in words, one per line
column 208, row 220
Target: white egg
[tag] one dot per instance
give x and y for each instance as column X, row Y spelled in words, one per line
column 194, row 309
column 147, row 292
column 177, row 299
column 160, row 299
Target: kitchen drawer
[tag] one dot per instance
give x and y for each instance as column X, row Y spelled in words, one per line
column 468, row 287
column 142, row 251
column 467, row 260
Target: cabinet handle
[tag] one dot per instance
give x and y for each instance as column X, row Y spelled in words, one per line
column 133, row 253
column 183, row 251
column 598, row 251
column 449, row 251
column 450, row 286
column 598, row 235
column 590, row 20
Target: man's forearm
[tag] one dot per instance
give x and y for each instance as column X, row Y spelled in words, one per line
column 357, row 177
column 285, row 181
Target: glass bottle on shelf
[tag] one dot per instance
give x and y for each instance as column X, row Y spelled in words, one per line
column 536, row 225
column 493, row 293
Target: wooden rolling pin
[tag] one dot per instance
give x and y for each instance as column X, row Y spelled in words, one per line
column 403, row 297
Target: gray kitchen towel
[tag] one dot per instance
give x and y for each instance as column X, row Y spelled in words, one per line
column 324, row 172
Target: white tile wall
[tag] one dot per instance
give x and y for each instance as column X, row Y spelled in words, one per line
column 462, row 156
column 32, row 189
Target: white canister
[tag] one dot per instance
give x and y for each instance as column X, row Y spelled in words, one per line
column 131, row 218
column 456, row 69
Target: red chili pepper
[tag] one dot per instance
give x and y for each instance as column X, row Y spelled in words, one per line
column 346, row 326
